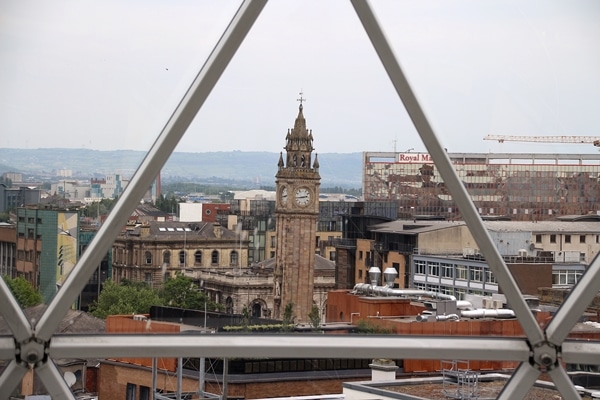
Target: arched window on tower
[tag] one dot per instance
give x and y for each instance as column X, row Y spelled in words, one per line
column 167, row 258
column 233, row 259
column 148, row 258
column 198, row 258
column 214, row 258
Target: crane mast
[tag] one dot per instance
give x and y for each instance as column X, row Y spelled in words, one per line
column 595, row 140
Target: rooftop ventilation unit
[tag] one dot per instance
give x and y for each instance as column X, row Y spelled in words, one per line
column 374, row 275
column 389, row 275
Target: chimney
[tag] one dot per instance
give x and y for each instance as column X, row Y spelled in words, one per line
column 145, row 230
column 383, row 369
column 217, row 230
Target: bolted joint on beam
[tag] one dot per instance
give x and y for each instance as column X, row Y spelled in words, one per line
column 33, row 351
column 544, row 356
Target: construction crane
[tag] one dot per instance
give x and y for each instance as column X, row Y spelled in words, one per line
column 595, row 140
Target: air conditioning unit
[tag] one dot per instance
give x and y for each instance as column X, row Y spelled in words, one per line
column 488, row 303
column 139, row 317
column 522, row 253
column 497, row 304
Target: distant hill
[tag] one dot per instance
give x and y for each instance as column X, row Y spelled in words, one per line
column 259, row 168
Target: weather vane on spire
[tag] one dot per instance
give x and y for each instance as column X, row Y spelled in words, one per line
column 301, row 99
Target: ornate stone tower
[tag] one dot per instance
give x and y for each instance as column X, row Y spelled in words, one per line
column 297, row 211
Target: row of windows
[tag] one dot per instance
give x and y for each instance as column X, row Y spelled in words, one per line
column 182, row 255
column 26, row 255
column 30, row 220
column 131, row 392
column 451, row 271
column 566, row 277
column 568, row 238
column 449, row 290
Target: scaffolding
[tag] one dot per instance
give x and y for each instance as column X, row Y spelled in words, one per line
column 459, row 382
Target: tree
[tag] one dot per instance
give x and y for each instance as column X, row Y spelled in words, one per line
column 168, row 203
column 287, row 324
column 126, row 298
column 315, row 317
column 24, row 292
column 182, row 292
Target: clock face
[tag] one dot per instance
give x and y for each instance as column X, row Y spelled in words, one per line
column 284, row 196
column 302, row 196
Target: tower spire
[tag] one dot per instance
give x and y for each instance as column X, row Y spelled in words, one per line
column 301, row 99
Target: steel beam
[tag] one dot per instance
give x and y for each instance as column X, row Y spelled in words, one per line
column 11, row 378
column 7, row 348
column 254, row 346
column 446, row 169
column 54, row 382
column 13, row 315
column 574, row 305
column 563, row 383
column 521, row 381
column 581, row 352
column 150, row 167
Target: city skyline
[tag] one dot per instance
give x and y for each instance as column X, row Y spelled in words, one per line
column 107, row 77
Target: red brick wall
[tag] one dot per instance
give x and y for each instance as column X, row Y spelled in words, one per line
column 115, row 378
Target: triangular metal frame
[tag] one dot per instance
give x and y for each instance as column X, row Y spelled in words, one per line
column 542, row 350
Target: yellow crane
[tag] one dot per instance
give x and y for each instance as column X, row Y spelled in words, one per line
column 595, row 140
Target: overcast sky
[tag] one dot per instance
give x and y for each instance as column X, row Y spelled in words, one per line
column 107, row 74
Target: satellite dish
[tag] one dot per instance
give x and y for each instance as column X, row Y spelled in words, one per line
column 70, row 378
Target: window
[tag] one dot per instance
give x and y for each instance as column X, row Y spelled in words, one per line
column 567, row 238
column 148, row 258
column 476, row 274
column 565, row 277
column 332, row 255
column 447, row 270
column 434, row 269
column 144, row 393
column 198, row 258
column 233, row 259
column 420, row 267
column 148, row 278
column 360, row 254
column 489, row 277
column 552, row 238
column 461, row 272
column 182, row 258
column 581, row 238
column 214, row 257
column 130, row 391
column 167, row 258
column 538, row 238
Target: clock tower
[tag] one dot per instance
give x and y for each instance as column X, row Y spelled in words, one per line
column 297, row 212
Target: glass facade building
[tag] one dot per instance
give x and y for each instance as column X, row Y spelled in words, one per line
column 516, row 186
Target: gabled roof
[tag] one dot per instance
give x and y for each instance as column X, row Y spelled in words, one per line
column 74, row 321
